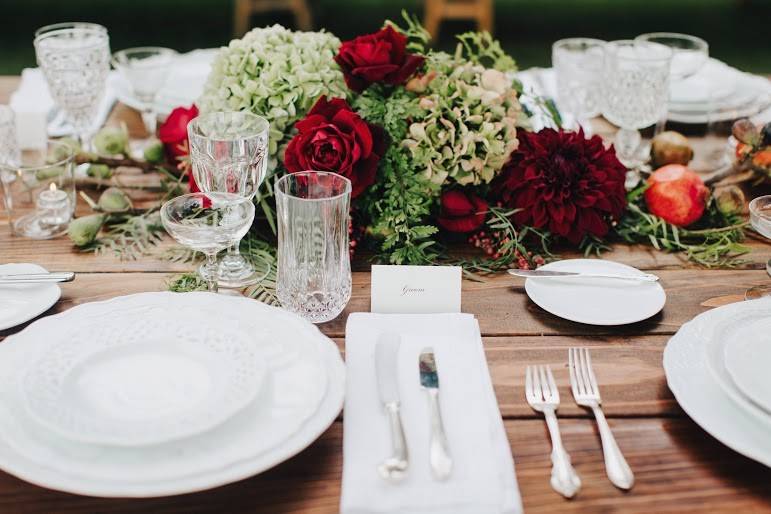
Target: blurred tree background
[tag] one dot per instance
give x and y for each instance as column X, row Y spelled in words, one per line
column 735, row 29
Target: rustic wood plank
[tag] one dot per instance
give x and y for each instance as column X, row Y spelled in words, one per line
column 678, row 468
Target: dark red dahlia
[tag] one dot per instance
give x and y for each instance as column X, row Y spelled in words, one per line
column 565, row 183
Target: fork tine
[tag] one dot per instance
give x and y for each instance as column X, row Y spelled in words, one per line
column 547, row 396
column 592, row 378
column 574, row 386
column 582, row 371
column 555, row 392
column 537, row 381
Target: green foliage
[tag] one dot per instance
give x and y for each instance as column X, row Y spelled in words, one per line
column 129, row 236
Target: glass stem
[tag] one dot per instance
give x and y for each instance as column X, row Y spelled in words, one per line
column 626, row 142
column 211, row 272
column 149, row 119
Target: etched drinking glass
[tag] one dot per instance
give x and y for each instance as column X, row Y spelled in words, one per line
column 314, row 269
column 578, row 66
column 229, row 153
column 208, row 223
column 9, row 146
column 146, row 69
column 75, row 60
column 635, row 91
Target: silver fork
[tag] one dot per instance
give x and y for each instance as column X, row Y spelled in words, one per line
column 583, row 383
column 543, row 396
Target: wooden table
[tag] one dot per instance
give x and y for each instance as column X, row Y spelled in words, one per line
column 678, row 466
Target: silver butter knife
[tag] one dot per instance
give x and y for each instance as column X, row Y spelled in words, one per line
column 441, row 462
column 537, row 273
column 386, row 368
column 34, row 278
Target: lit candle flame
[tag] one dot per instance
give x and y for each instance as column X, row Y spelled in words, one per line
column 52, row 187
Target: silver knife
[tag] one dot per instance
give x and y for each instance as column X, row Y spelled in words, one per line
column 441, row 462
column 537, row 273
column 34, row 278
column 386, row 368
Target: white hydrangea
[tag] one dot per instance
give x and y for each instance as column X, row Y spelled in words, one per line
column 276, row 73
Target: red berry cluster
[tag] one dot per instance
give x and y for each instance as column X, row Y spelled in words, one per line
column 492, row 245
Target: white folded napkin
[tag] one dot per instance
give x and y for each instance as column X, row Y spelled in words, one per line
column 33, row 97
column 483, row 479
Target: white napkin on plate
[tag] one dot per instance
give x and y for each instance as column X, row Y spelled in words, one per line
column 483, row 479
column 33, row 98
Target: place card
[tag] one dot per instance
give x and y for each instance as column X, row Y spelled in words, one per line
column 416, row 289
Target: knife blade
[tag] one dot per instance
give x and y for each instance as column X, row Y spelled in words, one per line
column 31, row 278
column 386, row 371
column 441, row 462
column 537, row 273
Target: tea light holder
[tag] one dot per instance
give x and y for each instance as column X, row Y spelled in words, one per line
column 53, row 206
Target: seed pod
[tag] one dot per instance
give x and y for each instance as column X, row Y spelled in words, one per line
column 113, row 200
column 83, row 231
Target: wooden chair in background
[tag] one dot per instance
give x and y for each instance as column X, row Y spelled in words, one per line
column 438, row 10
column 244, row 9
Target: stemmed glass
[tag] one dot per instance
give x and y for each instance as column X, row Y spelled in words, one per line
column 146, row 70
column 578, row 66
column 229, row 153
column 208, row 223
column 689, row 53
column 635, row 85
column 75, row 60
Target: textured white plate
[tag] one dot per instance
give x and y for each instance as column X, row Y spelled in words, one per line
column 302, row 396
column 596, row 301
column 141, row 376
column 702, row 397
column 751, row 95
column 748, row 361
column 22, row 302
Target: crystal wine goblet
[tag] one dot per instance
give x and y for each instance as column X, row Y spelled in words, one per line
column 635, row 87
column 578, row 66
column 689, row 54
column 229, row 153
column 146, row 70
column 208, row 223
column 75, row 60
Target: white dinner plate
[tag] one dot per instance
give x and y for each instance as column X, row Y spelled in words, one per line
column 751, row 95
column 701, row 396
column 144, row 379
column 748, row 361
column 303, row 394
column 183, row 87
column 22, row 302
column 596, row 301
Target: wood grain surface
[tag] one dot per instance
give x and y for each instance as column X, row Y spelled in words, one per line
column 678, row 466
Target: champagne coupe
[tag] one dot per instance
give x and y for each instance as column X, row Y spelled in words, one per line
column 229, row 153
column 208, row 223
column 635, row 91
column 689, row 54
column 146, row 70
column 760, row 219
column 578, row 66
column 75, row 60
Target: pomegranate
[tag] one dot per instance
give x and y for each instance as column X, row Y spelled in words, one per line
column 676, row 194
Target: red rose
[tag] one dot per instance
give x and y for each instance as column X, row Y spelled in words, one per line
column 461, row 212
column 564, row 182
column 378, row 57
column 173, row 135
column 334, row 138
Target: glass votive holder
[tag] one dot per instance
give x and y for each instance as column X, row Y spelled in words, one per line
column 760, row 215
column 39, row 191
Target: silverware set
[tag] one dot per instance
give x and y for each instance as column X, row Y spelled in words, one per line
column 394, row 467
column 543, row 396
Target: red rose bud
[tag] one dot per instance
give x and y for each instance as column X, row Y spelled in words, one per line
column 461, row 212
column 173, row 131
column 676, row 194
column 332, row 137
column 378, row 57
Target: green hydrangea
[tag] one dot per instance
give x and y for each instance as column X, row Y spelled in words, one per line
column 468, row 128
column 276, row 73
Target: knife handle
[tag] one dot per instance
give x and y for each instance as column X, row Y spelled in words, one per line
column 441, row 462
column 395, row 467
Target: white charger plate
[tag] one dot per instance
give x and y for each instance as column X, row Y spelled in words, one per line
column 303, row 395
column 702, row 397
column 20, row 303
column 747, row 361
column 596, row 301
column 145, row 378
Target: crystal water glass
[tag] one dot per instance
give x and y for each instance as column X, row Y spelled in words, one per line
column 229, row 153
column 689, row 54
column 146, row 70
column 208, row 223
column 314, row 269
column 75, row 60
column 9, row 146
column 39, row 191
column 578, row 66
column 635, row 89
